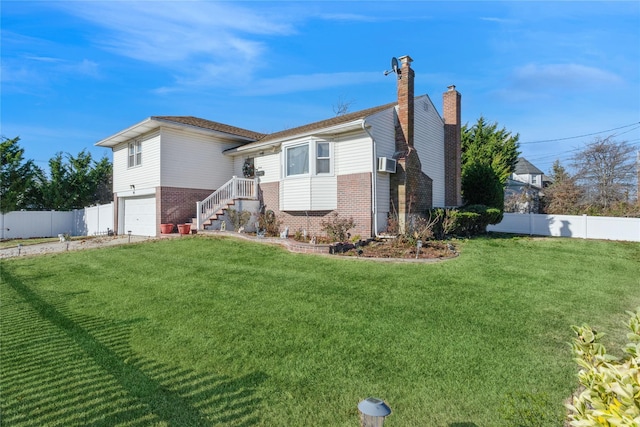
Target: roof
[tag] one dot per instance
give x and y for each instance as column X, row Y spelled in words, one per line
column 323, row 126
column 180, row 122
column 208, row 124
column 253, row 139
column 524, row 167
column 334, row 121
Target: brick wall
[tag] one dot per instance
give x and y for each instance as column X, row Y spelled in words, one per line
column 178, row 205
column 354, row 201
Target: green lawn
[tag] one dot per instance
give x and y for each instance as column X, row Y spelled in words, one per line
column 213, row 331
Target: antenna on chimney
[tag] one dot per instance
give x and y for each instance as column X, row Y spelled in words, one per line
column 394, row 68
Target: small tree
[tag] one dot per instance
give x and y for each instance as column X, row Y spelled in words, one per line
column 486, row 144
column 563, row 196
column 606, row 170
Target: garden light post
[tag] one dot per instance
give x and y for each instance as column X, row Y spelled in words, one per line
column 373, row 412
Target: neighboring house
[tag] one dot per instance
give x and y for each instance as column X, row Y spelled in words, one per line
column 396, row 159
column 523, row 189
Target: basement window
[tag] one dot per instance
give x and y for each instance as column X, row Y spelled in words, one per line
column 135, row 154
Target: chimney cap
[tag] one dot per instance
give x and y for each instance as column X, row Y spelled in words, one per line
column 451, row 88
column 406, row 59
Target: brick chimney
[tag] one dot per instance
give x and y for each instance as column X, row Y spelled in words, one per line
column 411, row 188
column 451, row 106
column 405, row 103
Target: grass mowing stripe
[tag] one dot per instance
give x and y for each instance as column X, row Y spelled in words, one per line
column 307, row 337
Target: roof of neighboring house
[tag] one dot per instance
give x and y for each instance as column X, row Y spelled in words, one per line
column 524, row 167
column 208, row 124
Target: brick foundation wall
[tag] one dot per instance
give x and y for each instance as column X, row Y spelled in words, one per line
column 178, row 205
column 354, row 201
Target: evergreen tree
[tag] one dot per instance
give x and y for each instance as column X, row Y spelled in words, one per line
column 17, row 177
column 563, row 196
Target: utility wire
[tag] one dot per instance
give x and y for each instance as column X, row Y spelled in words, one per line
column 580, row 136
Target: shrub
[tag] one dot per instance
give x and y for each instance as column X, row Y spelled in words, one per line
column 270, row 223
column 238, row 218
column 611, row 395
column 481, row 185
column 421, row 228
column 336, row 228
column 468, row 221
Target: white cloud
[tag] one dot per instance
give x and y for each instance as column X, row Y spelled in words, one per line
column 562, row 76
column 170, row 32
column 196, row 41
column 533, row 82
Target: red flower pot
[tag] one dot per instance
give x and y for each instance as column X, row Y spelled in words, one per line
column 166, row 228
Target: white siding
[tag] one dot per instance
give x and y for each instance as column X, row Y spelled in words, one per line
column 324, row 193
column 309, row 193
column 193, row 160
column 383, row 132
column 147, row 175
column 270, row 165
column 429, row 141
column 295, row 194
column 353, row 154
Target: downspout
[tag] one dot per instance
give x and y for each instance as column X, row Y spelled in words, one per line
column 374, row 173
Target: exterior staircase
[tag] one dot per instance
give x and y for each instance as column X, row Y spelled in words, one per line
column 207, row 223
column 220, row 200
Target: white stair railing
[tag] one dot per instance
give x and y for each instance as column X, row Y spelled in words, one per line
column 235, row 188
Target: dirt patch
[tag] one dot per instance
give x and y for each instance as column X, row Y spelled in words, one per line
column 398, row 250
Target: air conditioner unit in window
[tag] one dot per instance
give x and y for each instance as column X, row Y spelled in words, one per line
column 386, row 164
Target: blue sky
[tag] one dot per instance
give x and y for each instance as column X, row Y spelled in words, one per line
column 75, row 72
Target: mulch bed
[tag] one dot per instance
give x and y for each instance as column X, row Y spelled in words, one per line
column 395, row 249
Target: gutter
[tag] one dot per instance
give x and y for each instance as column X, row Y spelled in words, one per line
column 374, row 173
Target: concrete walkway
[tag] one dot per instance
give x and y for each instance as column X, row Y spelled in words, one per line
column 73, row 245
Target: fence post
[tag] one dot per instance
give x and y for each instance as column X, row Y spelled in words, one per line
column 585, row 229
column 530, row 223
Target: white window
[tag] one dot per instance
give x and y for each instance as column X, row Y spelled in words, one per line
column 323, row 158
column 135, row 154
column 299, row 159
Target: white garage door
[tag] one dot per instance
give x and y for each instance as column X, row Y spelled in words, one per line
column 140, row 216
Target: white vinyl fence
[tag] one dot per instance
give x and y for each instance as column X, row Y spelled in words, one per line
column 579, row 226
column 89, row 221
